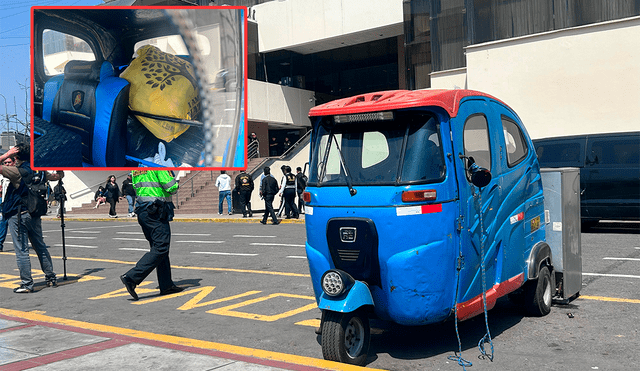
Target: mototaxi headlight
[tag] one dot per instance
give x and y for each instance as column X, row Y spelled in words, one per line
column 336, row 282
column 332, row 283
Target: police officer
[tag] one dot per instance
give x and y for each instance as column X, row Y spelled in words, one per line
column 301, row 185
column 268, row 190
column 154, row 208
column 288, row 189
column 244, row 187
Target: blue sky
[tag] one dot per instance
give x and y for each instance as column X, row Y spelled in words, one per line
column 15, row 41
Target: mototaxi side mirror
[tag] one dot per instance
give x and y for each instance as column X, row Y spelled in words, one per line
column 480, row 176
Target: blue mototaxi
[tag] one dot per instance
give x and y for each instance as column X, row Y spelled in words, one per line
column 417, row 203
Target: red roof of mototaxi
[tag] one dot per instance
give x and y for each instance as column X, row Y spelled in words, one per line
column 397, row 99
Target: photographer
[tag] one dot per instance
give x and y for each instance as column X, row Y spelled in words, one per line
column 23, row 226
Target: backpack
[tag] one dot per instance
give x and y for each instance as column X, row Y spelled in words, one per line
column 36, row 201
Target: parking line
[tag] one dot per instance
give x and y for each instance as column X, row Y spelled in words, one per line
column 132, row 249
column 610, row 275
column 275, row 244
column 628, row 259
column 129, row 239
column 604, row 298
column 247, row 236
column 222, row 253
column 202, row 241
column 296, row 257
column 67, row 245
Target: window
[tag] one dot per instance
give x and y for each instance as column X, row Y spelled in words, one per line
column 516, row 146
column 559, row 153
column 59, row 48
column 476, row 141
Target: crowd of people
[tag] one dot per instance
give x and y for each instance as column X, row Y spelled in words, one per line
column 290, row 186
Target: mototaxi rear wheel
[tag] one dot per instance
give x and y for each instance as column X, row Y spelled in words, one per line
column 345, row 337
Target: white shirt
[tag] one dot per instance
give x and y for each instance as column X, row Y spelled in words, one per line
column 223, row 182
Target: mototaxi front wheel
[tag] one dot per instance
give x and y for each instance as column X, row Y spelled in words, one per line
column 345, row 337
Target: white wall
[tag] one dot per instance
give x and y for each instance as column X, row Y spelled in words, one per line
column 280, row 104
column 574, row 81
column 282, row 24
column 450, row 79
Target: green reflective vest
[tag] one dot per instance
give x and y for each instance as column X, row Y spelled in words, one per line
column 151, row 185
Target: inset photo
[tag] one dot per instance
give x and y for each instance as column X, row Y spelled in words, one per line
column 129, row 87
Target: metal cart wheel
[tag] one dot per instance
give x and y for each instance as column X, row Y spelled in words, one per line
column 345, row 337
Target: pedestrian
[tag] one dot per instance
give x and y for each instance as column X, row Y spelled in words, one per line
column 273, row 147
column 154, row 208
column 244, row 187
column 287, row 144
column 59, row 194
column 288, row 189
column 112, row 194
column 4, row 183
column 223, row 182
column 130, row 194
column 268, row 191
column 100, row 197
column 24, row 227
column 301, row 180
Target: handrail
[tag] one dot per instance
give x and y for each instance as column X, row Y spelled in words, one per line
column 286, row 153
column 190, row 181
column 253, row 150
column 83, row 191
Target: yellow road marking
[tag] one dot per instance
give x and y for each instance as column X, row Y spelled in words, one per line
column 177, row 340
column 604, row 298
column 309, row 322
column 228, row 310
column 124, row 292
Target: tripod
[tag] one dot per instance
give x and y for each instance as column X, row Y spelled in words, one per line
column 62, row 197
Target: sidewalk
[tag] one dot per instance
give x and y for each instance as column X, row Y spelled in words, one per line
column 29, row 340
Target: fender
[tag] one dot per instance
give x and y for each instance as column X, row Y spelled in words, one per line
column 358, row 296
column 539, row 253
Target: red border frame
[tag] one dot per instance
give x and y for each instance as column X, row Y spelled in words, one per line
column 246, row 46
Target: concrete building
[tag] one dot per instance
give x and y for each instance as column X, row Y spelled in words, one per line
column 567, row 67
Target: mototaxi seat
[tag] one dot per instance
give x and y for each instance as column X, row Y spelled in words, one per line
column 89, row 100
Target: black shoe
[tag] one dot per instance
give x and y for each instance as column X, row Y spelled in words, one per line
column 287, row 217
column 244, row 216
column 52, row 283
column 276, row 223
column 263, row 222
column 250, row 214
column 22, row 289
column 171, row 290
column 131, row 287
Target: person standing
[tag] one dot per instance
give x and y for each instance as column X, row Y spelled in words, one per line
column 301, row 180
column 287, row 144
column 130, row 194
column 268, row 191
column 4, row 183
column 244, row 187
column 223, row 182
column 154, row 208
column 59, row 194
column 288, row 191
column 273, row 147
column 24, row 227
column 113, row 195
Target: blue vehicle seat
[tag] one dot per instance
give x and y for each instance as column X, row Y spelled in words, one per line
column 91, row 101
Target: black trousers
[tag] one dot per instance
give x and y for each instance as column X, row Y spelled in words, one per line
column 290, row 208
column 112, row 206
column 157, row 231
column 245, row 202
column 268, row 209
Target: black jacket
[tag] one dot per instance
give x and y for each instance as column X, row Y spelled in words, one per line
column 269, row 186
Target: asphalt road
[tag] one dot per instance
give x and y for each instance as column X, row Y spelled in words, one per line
column 248, row 285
